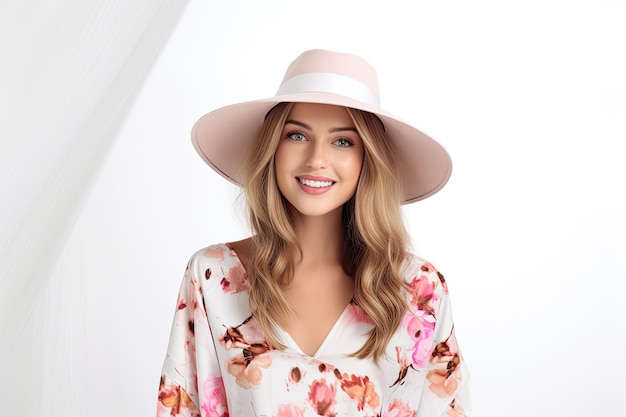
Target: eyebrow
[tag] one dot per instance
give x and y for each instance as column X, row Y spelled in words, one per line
column 333, row 130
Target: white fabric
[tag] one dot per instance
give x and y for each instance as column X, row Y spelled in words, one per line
column 69, row 73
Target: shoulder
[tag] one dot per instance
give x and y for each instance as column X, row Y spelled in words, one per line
column 426, row 284
column 218, row 266
column 216, row 255
column 416, row 266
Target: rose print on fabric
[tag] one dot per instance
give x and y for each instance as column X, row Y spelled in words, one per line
column 420, row 330
column 361, row 390
column 404, row 363
column 247, row 366
column 248, row 335
column 235, row 281
column 444, row 380
column 399, row 409
column 215, row 404
column 322, row 397
column 248, row 372
column 423, row 295
column 428, row 267
column 175, row 399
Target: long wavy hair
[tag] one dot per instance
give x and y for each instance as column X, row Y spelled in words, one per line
column 376, row 239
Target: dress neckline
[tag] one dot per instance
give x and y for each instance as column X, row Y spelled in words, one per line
column 294, row 345
column 284, row 333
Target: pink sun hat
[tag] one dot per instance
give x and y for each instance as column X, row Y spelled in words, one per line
column 223, row 136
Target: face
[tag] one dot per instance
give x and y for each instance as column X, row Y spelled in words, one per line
column 318, row 159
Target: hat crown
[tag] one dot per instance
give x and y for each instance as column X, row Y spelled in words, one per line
column 319, row 70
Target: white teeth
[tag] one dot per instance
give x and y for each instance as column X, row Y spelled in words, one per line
column 315, row 184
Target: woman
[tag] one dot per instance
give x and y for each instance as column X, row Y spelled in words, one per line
column 322, row 311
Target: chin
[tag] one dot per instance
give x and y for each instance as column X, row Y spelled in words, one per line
column 309, row 211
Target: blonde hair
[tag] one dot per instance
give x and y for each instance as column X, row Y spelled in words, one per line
column 376, row 239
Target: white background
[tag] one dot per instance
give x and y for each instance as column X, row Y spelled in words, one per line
column 528, row 97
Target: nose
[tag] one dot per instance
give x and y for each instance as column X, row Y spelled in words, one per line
column 318, row 156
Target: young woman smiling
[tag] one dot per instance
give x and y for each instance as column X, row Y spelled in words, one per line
column 323, row 311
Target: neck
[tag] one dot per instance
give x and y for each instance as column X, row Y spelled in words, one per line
column 321, row 238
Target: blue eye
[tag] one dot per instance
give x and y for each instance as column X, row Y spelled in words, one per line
column 343, row 142
column 296, row 136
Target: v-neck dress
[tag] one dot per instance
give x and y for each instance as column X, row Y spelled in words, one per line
column 219, row 364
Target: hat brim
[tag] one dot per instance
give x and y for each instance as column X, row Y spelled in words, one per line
column 223, row 136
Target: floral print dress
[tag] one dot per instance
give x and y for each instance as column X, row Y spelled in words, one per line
column 219, row 364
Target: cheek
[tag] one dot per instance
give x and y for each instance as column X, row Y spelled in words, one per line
column 351, row 167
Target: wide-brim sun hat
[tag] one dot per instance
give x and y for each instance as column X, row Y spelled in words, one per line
column 223, row 136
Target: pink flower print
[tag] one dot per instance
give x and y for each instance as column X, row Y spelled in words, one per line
column 399, row 409
column 403, row 361
column 361, row 390
column 423, row 294
column 248, row 335
column 442, row 384
column 290, row 410
column 215, row 398
column 176, row 399
column 443, row 376
column 401, row 357
column 247, row 371
column 322, row 397
column 421, row 333
column 217, row 253
column 246, row 367
column 235, row 281
column 428, row 267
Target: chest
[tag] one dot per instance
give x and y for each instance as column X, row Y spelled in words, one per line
column 316, row 315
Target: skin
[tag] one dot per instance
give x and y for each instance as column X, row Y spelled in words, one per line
column 319, row 141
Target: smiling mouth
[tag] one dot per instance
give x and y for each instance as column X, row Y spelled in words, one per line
column 315, row 184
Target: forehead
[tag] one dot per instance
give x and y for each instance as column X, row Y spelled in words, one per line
column 322, row 114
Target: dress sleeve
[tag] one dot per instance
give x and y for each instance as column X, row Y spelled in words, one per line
column 191, row 383
column 437, row 383
column 446, row 389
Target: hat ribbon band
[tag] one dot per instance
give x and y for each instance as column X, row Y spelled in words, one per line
column 326, row 82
